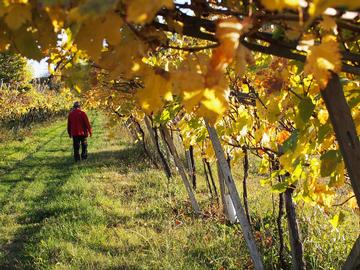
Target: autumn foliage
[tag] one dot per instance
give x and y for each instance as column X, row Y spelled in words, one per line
column 254, row 70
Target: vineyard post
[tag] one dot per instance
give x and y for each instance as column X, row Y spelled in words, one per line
column 246, row 174
column 282, row 261
column 190, row 168
column 193, row 166
column 212, row 180
column 131, row 131
column 298, row 262
column 240, row 212
column 165, row 166
column 181, row 169
column 222, row 186
column 345, row 131
column 353, row 260
column 140, row 131
column 207, row 178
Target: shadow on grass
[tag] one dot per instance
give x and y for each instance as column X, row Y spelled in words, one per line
column 58, row 170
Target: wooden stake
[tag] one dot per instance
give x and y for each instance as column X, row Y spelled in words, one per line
column 246, row 229
column 353, row 260
column 345, row 131
column 295, row 242
column 165, row 166
column 181, row 169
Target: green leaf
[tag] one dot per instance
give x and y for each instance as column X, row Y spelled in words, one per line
column 290, row 143
column 324, row 130
column 165, row 116
column 264, row 182
column 278, row 33
column 280, row 187
column 337, row 219
column 329, row 161
column 306, row 108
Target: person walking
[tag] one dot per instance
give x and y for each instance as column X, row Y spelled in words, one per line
column 79, row 128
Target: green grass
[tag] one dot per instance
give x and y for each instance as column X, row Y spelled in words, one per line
column 111, row 212
column 115, row 211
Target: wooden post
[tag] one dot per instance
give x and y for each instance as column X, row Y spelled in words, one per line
column 246, row 174
column 345, row 131
column 181, row 169
column 222, row 186
column 193, row 166
column 140, row 131
column 353, row 260
column 246, row 229
column 207, row 178
column 165, row 166
column 212, row 180
column 190, row 167
column 294, row 234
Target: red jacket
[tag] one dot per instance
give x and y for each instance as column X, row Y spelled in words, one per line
column 78, row 124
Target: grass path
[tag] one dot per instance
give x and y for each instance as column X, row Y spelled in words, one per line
column 110, row 212
column 116, row 212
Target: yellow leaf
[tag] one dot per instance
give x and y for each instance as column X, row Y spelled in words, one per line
column 25, row 44
column 151, row 97
column 93, row 32
column 242, row 57
column 323, row 116
column 280, row 4
column 282, row 136
column 186, row 81
column 317, row 7
column 213, row 105
column 192, row 99
column 143, row 11
column 45, row 32
column 111, row 27
column 328, row 24
column 228, row 33
column 322, row 59
column 124, row 59
column 17, row 16
column 337, row 219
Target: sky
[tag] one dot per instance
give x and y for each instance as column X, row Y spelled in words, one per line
column 39, row 69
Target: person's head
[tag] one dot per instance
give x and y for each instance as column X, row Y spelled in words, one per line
column 76, row 104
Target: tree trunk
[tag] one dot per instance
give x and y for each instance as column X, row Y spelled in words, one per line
column 296, row 245
column 181, row 169
column 246, row 229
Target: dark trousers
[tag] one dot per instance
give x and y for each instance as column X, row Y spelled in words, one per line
column 77, row 140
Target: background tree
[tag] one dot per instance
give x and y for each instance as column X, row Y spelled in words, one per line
column 14, row 69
